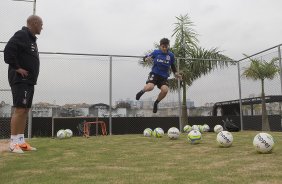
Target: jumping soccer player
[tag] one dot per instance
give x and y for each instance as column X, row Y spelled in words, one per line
column 21, row 54
column 162, row 60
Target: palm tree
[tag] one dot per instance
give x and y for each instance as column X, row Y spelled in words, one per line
column 194, row 61
column 261, row 70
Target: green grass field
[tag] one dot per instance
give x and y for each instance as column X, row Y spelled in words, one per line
column 136, row 159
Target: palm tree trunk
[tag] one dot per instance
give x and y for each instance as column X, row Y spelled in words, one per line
column 184, row 115
column 265, row 123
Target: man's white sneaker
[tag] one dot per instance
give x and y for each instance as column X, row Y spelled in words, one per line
column 15, row 148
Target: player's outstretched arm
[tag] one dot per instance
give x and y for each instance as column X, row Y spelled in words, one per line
column 177, row 75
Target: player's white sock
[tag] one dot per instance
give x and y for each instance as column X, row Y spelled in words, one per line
column 21, row 138
column 14, row 147
column 14, row 139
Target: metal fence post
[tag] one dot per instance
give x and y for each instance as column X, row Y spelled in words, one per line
column 53, row 127
column 280, row 66
column 29, row 126
column 240, row 95
column 179, row 97
column 110, row 95
column 34, row 7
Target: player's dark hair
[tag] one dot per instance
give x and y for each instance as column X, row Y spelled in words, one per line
column 164, row 41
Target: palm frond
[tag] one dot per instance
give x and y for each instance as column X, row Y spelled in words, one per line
column 261, row 69
column 184, row 33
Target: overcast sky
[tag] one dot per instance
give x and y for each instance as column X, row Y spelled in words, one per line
column 131, row 27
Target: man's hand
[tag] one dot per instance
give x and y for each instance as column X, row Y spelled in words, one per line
column 148, row 59
column 22, row 72
column 178, row 76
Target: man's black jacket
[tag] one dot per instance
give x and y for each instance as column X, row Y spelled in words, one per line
column 21, row 52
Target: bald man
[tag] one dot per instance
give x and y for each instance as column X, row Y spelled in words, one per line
column 21, row 54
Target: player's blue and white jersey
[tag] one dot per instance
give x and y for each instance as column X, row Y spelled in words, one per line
column 162, row 62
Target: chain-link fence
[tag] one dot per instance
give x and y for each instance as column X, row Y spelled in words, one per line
column 82, row 87
column 5, row 112
column 93, row 86
column 251, row 90
column 89, row 86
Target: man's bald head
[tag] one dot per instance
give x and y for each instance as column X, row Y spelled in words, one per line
column 34, row 23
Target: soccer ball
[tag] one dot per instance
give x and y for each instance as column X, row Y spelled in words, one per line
column 201, row 128
column 158, row 132
column 195, row 127
column 218, row 128
column 147, row 132
column 224, row 139
column 61, row 134
column 68, row 133
column 206, row 128
column 173, row 133
column 263, row 143
column 194, row 137
column 187, row 128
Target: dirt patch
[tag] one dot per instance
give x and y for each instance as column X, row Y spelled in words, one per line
column 268, row 182
column 223, row 179
column 31, row 171
column 216, row 164
column 4, row 144
column 119, row 168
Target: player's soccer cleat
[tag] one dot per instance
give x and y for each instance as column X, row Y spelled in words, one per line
column 155, row 110
column 26, row 147
column 139, row 94
column 15, row 148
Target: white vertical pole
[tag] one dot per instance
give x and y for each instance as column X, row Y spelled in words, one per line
column 280, row 66
column 29, row 126
column 240, row 96
column 52, row 127
column 179, row 97
column 34, row 7
column 110, row 95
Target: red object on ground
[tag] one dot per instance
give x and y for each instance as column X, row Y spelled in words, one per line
column 86, row 127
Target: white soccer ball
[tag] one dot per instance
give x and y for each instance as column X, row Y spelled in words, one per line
column 147, row 132
column 61, row 134
column 263, row 143
column 195, row 127
column 194, row 137
column 224, row 139
column 68, row 133
column 218, row 128
column 173, row 133
column 206, row 128
column 187, row 128
column 201, row 128
column 158, row 132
